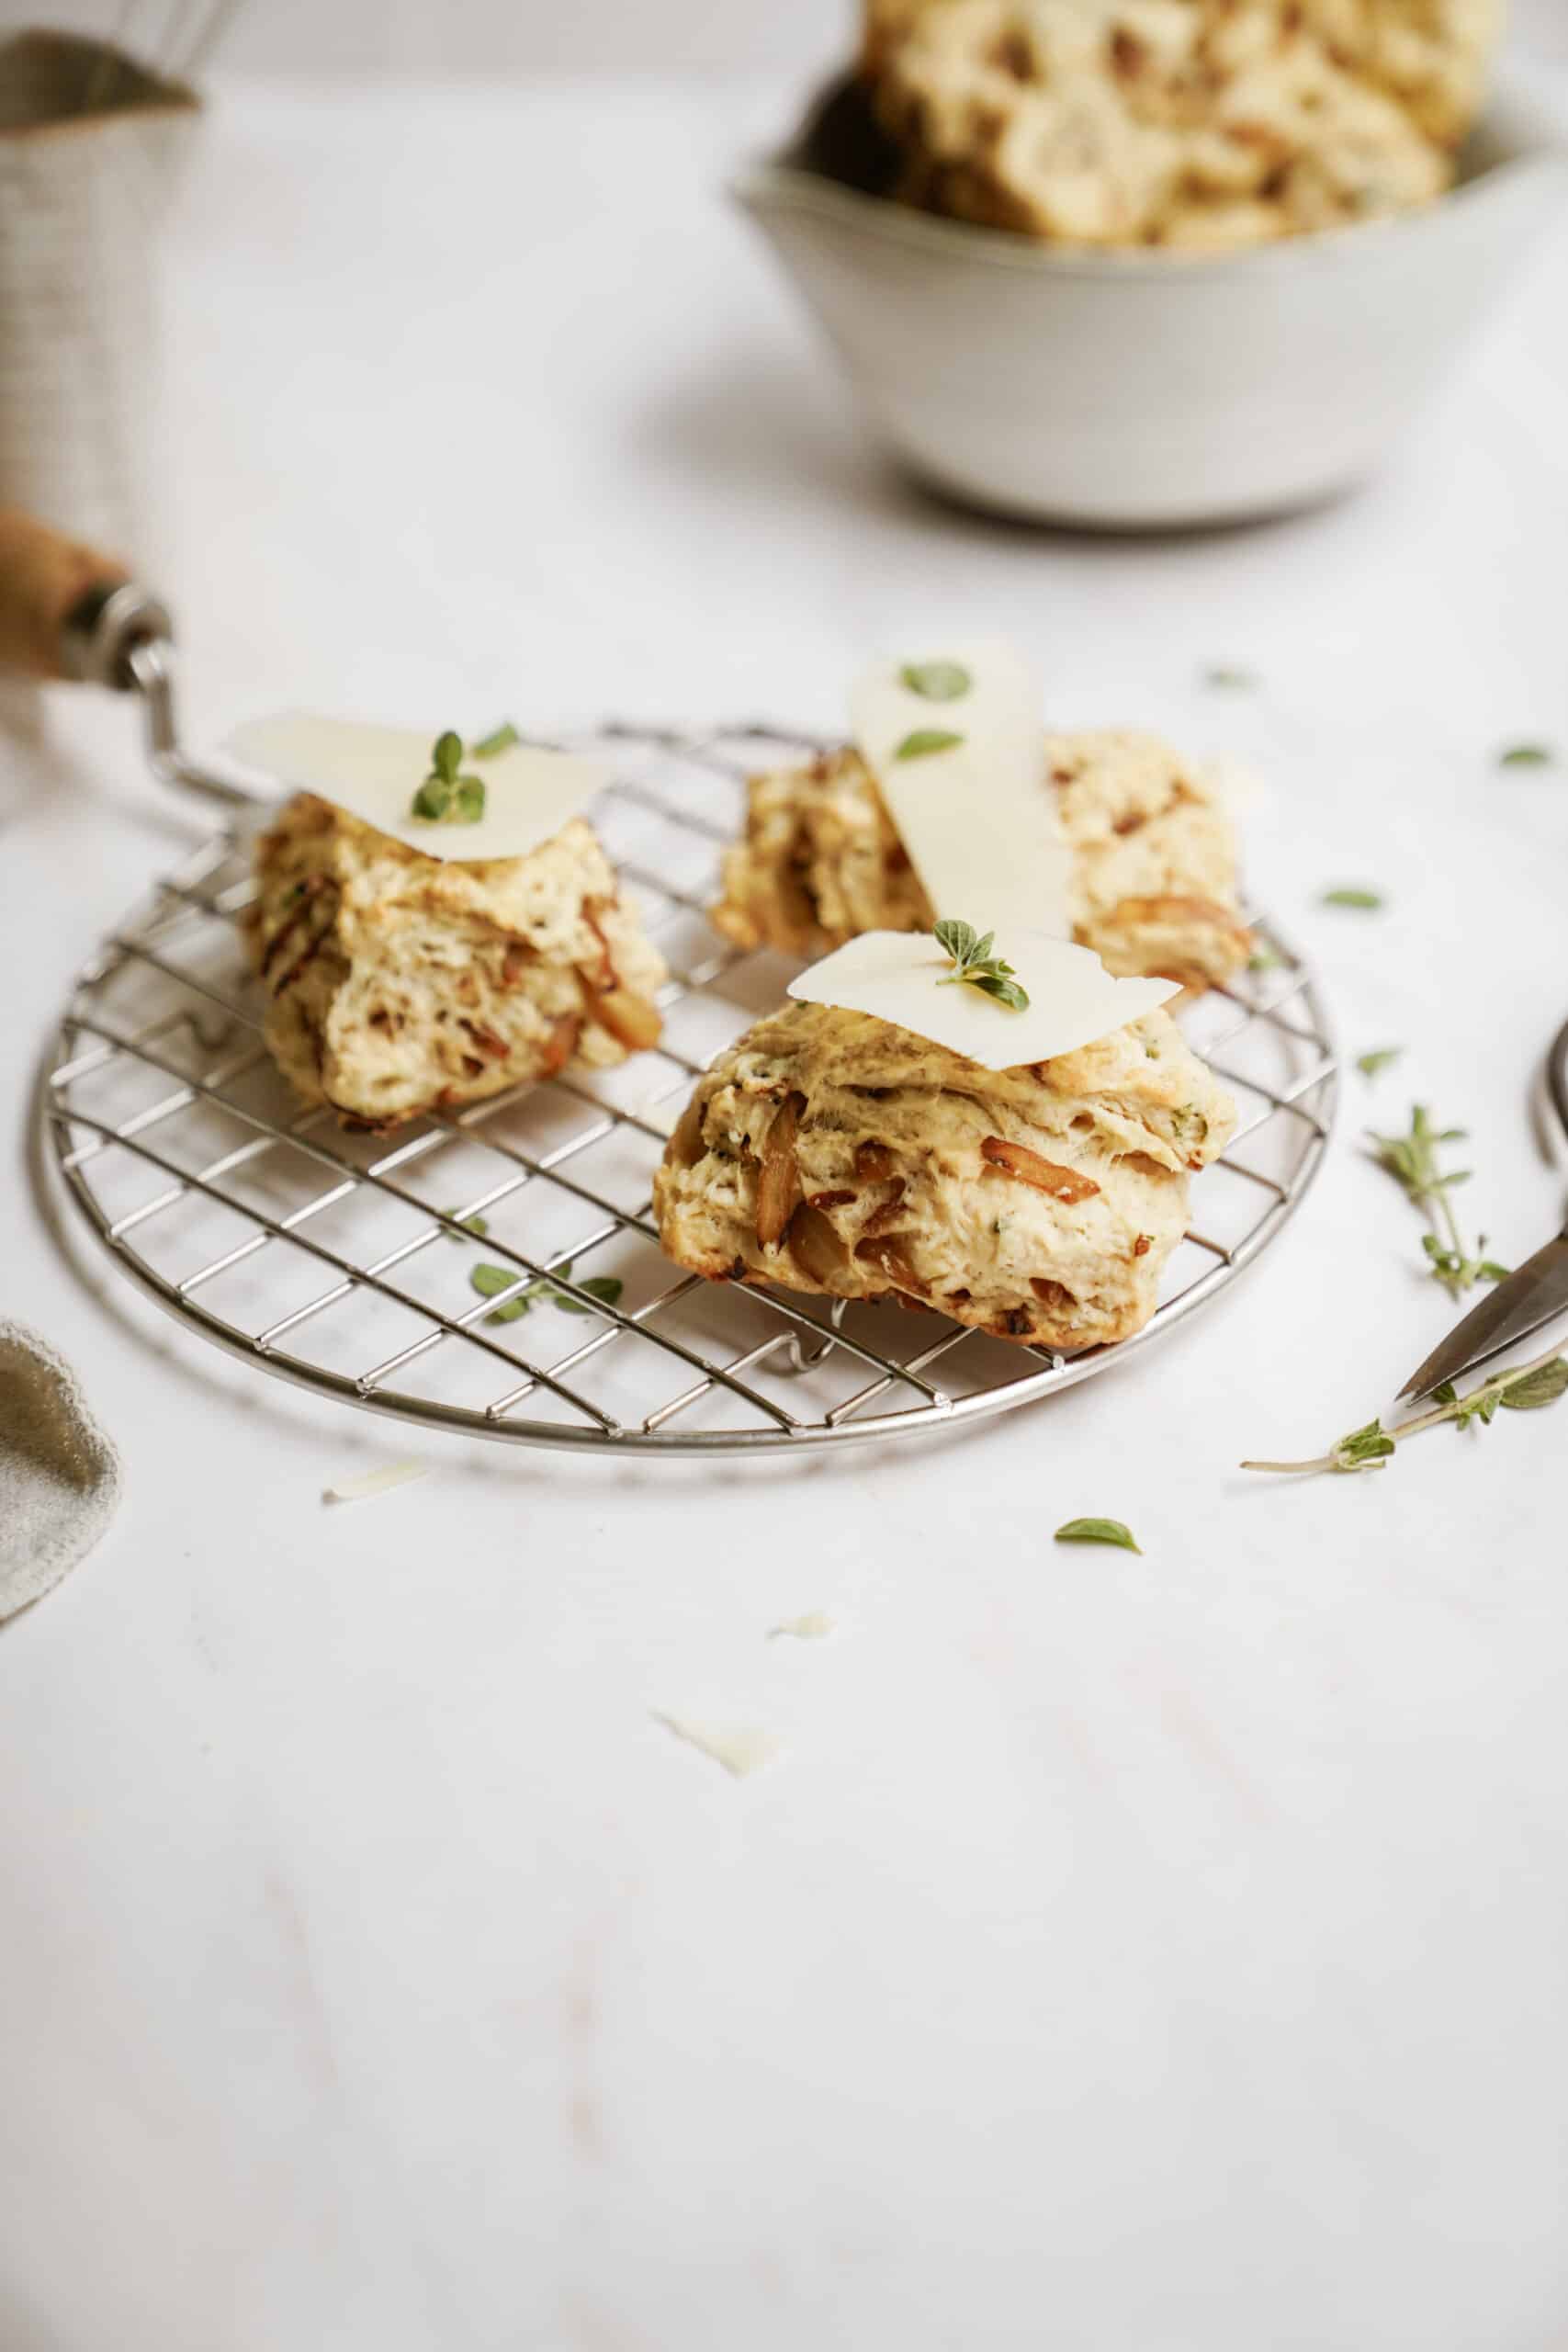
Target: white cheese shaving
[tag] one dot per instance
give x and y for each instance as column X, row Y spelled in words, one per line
column 979, row 820
column 374, row 772
column 374, row 1482
column 815, row 1626
column 740, row 1751
column 898, row 976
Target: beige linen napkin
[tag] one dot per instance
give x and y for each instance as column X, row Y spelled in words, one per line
column 58, row 1472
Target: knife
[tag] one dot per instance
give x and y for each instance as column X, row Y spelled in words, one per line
column 1524, row 1301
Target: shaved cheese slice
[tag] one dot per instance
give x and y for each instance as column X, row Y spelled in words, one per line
column 373, row 772
column 740, row 1751
column 374, row 1482
column 897, row 977
column 978, row 818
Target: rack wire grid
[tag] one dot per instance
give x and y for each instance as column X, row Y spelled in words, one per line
column 344, row 1261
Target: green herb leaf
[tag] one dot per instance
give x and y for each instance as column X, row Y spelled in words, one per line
column 477, row 1225
column 1445, row 1393
column 501, row 739
column 432, row 800
column 1526, row 755
column 1353, row 895
column 1534, row 1389
column 446, row 797
column 1381, row 1057
column 975, row 965
column 1230, row 681
column 1265, row 958
column 925, row 741
column 960, row 939
column 606, row 1286
column 937, row 680
column 1363, row 1447
column 1096, row 1531
column 489, row 1281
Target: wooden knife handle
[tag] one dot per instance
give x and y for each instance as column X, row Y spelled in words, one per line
column 45, row 580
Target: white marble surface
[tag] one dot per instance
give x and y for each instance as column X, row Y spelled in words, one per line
column 1142, row 1956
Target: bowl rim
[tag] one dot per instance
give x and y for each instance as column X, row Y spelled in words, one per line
column 1539, row 143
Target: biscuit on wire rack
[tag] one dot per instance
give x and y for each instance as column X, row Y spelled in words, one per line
column 1154, row 868
column 833, row 1152
column 400, row 984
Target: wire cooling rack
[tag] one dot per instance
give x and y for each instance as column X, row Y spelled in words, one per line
column 343, row 1261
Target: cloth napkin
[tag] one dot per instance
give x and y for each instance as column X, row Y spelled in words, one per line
column 58, row 1472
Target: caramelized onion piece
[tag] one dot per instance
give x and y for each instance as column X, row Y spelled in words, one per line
column 815, row 1247
column 892, row 1209
column 1045, row 1175
column 561, row 1043
column 886, row 1251
column 1052, row 1295
column 778, row 1187
column 873, row 1161
column 629, row 1017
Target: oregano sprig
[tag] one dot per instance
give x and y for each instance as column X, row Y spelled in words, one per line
column 1411, row 1160
column 976, row 966
column 446, row 798
column 1525, row 1389
column 489, row 1281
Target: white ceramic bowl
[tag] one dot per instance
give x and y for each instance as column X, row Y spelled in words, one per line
column 1138, row 390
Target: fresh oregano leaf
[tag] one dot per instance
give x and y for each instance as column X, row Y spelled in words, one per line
column 1381, row 1057
column 446, row 797
column 489, row 1281
column 1353, row 895
column 937, row 680
column 1526, row 755
column 1096, row 1531
column 1533, row 1389
column 977, row 966
column 924, row 741
column 607, row 1287
column 476, row 1224
column 501, row 739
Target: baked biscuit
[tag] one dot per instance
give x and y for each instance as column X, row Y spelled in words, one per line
column 1198, row 124
column 829, row 1151
column 401, row 984
column 1153, row 865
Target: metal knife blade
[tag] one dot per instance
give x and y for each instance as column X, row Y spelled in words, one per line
column 1529, row 1297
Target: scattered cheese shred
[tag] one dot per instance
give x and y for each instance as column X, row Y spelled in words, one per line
column 374, row 1482
column 815, row 1626
column 900, row 977
column 374, row 772
column 740, row 1750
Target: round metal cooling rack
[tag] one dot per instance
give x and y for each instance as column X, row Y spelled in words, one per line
column 344, row 1261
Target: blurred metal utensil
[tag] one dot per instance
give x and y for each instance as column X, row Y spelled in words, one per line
column 1529, row 1298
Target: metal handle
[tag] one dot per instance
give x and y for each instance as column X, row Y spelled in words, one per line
column 67, row 610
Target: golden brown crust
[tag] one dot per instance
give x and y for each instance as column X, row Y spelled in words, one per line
column 828, row 1151
column 401, row 984
column 1154, row 884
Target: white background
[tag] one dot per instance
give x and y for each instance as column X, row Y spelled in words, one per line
column 1157, row 1954
column 532, row 36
